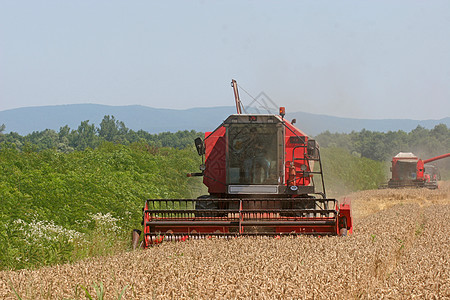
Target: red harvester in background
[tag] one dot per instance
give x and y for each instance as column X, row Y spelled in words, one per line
column 264, row 177
column 410, row 171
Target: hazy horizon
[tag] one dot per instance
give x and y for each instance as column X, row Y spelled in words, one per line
column 212, row 107
column 349, row 59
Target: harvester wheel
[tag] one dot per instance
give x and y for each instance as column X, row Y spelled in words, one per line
column 136, row 234
column 343, row 226
column 207, row 205
column 343, row 232
column 306, row 203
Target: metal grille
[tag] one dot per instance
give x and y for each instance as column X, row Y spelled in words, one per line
column 174, row 219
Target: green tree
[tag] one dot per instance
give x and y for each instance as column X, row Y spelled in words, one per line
column 113, row 130
column 84, row 137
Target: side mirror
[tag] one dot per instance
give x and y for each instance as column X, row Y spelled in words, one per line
column 312, row 149
column 294, row 121
column 200, row 146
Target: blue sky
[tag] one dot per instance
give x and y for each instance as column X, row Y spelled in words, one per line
column 361, row 59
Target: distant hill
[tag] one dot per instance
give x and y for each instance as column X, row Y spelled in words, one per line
column 155, row 120
column 314, row 124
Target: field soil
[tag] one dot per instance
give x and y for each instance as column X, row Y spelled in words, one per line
column 400, row 249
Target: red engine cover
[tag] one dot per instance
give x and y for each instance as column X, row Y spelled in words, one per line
column 215, row 160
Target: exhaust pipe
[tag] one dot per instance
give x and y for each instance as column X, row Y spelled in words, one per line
column 135, row 238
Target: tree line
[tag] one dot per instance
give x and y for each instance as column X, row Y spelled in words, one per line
column 382, row 146
column 88, row 135
column 379, row 146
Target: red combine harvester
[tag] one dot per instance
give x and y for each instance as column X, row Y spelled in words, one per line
column 264, row 177
column 410, row 171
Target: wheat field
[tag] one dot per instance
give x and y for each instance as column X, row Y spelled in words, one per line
column 400, row 249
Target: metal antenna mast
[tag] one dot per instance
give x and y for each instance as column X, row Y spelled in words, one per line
column 236, row 96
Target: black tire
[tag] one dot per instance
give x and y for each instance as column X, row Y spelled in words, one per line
column 343, row 232
column 305, row 203
column 343, row 226
column 207, row 205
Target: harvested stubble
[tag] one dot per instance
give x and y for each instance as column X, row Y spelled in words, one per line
column 398, row 250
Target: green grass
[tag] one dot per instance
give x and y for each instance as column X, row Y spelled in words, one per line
column 60, row 207
column 344, row 172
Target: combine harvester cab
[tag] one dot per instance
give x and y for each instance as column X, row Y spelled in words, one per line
column 264, row 177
